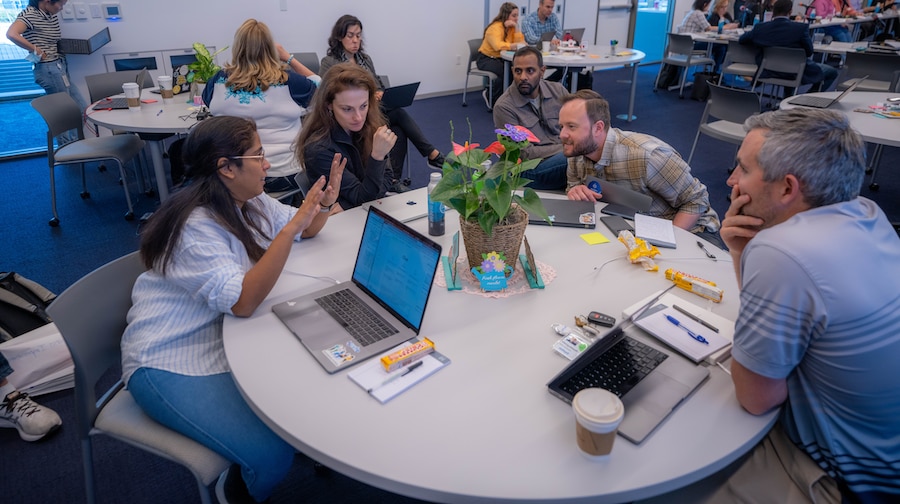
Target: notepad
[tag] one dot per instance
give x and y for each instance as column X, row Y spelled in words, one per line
column 655, row 323
column 371, row 376
column 659, row 232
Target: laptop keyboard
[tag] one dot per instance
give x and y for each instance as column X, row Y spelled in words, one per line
column 618, row 370
column 360, row 320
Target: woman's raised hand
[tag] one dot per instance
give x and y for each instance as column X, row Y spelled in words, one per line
column 383, row 142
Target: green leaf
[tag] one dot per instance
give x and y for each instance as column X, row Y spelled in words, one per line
column 498, row 194
column 532, row 204
column 487, row 221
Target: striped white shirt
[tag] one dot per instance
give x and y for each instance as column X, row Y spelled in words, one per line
column 42, row 30
column 175, row 323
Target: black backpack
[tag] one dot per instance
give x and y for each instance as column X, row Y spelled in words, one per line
column 22, row 305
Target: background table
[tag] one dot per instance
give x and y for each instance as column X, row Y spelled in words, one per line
column 594, row 58
column 157, row 117
column 872, row 128
column 485, row 428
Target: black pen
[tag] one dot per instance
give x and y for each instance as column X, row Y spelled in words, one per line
column 398, row 375
column 696, row 318
column 707, row 252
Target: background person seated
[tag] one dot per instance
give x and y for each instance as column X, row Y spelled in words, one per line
column 501, row 34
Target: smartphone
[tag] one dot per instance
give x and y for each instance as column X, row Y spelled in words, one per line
column 894, row 99
column 616, row 223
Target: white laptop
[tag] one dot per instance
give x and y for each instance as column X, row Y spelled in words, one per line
column 404, row 207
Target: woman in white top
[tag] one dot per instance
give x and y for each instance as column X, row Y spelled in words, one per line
column 265, row 83
column 215, row 247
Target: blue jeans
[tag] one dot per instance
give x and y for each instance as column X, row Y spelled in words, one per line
column 211, row 411
column 549, row 174
column 838, row 33
column 54, row 78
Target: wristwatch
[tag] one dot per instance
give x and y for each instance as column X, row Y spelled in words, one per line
column 291, row 58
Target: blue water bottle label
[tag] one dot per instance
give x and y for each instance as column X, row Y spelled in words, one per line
column 721, row 25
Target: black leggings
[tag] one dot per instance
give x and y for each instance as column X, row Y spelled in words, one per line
column 405, row 127
column 494, row 65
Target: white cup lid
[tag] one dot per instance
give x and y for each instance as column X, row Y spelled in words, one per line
column 599, row 406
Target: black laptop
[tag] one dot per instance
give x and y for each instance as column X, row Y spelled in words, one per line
column 567, row 213
column 110, row 103
column 823, row 102
column 399, row 96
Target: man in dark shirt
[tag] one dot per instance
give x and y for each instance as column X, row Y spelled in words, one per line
column 782, row 32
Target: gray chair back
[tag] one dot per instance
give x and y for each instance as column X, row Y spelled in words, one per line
column 784, row 60
column 108, row 84
column 309, row 59
column 877, row 68
column 61, row 113
column 730, row 104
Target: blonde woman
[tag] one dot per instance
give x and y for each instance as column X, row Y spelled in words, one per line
column 265, row 83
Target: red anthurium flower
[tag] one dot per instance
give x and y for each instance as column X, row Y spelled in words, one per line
column 459, row 149
column 528, row 134
column 495, row 148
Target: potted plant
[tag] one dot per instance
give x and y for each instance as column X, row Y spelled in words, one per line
column 492, row 213
column 203, row 68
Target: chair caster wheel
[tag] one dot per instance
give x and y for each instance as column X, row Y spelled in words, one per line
column 465, row 104
column 85, row 195
column 873, row 186
column 129, row 216
column 54, row 222
column 101, row 168
column 868, row 171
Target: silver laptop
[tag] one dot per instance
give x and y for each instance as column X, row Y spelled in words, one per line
column 823, row 102
column 620, row 200
column 349, row 322
column 404, row 207
column 649, row 395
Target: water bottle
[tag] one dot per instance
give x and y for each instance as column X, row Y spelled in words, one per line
column 435, row 209
column 721, row 25
column 812, row 15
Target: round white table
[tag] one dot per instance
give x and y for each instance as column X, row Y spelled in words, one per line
column 485, row 428
column 874, row 129
column 154, row 117
column 595, row 57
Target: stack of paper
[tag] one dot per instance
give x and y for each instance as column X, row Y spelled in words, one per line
column 659, row 232
column 384, row 386
column 654, row 322
column 40, row 360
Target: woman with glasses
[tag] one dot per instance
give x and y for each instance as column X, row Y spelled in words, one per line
column 265, row 83
column 216, row 246
column 345, row 46
column 345, row 123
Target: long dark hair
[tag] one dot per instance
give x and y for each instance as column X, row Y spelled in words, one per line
column 339, row 31
column 505, row 10
column 210, row 141
column 320, row 121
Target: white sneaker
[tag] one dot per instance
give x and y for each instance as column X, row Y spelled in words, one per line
column 32, row 420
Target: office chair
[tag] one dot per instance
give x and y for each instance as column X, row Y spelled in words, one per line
column 62, row 114
column 740, row 60
column 110, row 83
column 302, row 180
column 784, row 61
column 878, row 67
column 472, row 69
column 680, row 52
column 309, row 59
column 90, row 315
column 731, row 107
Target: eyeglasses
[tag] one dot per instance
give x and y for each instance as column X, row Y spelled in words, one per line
column 260, row 156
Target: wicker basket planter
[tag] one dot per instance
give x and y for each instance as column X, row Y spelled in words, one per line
column 506, row 238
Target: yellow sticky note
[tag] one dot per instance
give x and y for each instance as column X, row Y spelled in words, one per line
column 594, row 238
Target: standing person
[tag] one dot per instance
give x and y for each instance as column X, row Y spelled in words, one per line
column 534, row 103
column 634, row 160
column 501, row 34
column 265, row 83
column 216, row 247
column 20, row 412
column 540, row 21
column 345, row 45
column 818, row 332
column 343, row 124
column 782, row 32
column 36, row 30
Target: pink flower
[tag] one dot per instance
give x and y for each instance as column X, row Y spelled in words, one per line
column 495, row 148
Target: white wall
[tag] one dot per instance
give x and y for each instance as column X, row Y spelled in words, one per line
column 409, row 40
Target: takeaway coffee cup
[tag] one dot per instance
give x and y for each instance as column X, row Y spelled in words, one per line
column 545, row 46
column 132, row 95
column 598, row 414
column 165, row 87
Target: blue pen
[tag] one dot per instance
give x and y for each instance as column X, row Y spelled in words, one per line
column 692, row 334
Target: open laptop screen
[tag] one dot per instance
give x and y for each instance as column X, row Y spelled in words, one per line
column 396, row 266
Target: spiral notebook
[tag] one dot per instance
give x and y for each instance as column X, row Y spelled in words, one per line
column 385, row 386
